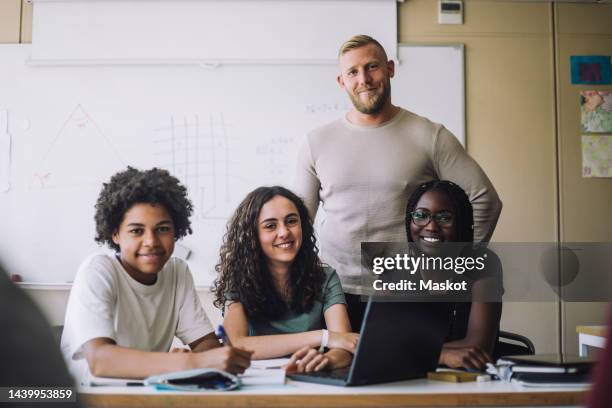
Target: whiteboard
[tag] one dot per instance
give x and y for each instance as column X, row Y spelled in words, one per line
column 222, row 131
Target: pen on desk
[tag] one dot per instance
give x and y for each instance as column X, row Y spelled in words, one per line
column 221, row 335
column 117, row 384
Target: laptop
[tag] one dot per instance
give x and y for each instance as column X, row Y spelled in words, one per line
column 398, row 341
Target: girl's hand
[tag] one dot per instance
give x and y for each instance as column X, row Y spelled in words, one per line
column 472, row 358
column 306, row 360
column 345, row 341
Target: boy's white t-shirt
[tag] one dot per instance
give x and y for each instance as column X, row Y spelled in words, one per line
column 107, row 302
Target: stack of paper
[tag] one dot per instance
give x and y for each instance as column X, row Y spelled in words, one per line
column 263, row 376
column 270, row 363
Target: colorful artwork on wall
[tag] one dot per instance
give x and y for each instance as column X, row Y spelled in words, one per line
column 596, row 111
column 591, row 69
column 596, row 156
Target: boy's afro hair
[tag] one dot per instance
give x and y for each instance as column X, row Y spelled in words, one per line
column 132, row 186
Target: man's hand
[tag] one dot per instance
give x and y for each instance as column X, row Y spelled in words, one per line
column 230, row 359
column 472, row 358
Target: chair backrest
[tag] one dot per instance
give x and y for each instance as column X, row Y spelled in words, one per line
column 57, row 333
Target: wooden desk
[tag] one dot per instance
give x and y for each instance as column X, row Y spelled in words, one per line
column 424, row 393
column 590, row 336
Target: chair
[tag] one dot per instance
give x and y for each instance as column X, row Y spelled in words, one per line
column 57, row 333
column 511, row 344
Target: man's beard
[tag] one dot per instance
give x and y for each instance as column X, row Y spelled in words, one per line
column 374, row 105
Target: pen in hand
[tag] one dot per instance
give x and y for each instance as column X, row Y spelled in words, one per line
column 222, row 336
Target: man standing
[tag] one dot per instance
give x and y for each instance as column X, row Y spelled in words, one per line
column 363, row 167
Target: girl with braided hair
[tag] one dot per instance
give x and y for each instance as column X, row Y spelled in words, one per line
column 439, row 212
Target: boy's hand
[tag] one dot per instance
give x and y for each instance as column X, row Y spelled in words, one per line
column 345, row 341
column 230, row 359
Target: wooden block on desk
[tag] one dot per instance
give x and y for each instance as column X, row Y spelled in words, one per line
column 452, row 376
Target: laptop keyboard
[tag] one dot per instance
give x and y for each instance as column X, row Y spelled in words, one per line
column 339, row 373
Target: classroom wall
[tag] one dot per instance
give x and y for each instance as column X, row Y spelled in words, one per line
column 510, row 116
column 523, row 126
column 585, row 203
column 517, row 80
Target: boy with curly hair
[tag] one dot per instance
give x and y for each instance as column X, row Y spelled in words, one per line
column 125, row 309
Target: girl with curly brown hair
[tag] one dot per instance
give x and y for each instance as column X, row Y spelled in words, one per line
column 278, row 299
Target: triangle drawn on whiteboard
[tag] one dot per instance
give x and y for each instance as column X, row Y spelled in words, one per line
column 79, row 155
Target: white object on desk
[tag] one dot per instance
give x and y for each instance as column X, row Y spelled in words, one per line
column 269, row 363
column 590, row 336
column 262, row 376
column 566, row 386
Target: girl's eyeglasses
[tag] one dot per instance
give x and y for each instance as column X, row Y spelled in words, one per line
column 423, row 217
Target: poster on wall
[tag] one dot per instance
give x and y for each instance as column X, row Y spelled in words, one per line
column 596, row 156
column 596, row 111
column 590, row 69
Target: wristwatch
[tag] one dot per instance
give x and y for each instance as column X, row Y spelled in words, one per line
column 324, row 340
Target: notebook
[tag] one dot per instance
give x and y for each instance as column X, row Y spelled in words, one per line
column 550, row 370
column 195, row 380
column 550, row 363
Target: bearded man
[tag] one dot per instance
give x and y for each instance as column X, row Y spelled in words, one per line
column 363, row 167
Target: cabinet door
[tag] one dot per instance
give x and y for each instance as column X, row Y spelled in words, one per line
column 10, row 21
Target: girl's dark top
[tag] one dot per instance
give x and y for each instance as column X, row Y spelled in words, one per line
column 491, row 290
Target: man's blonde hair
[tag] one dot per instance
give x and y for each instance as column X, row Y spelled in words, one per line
column 358, row 41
